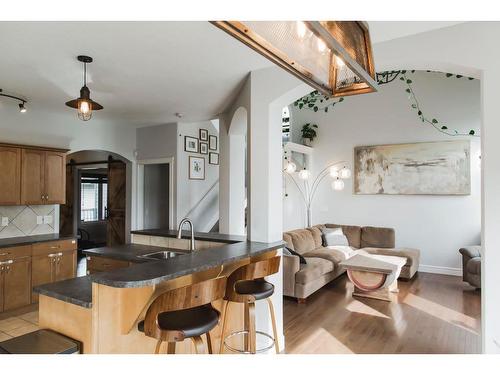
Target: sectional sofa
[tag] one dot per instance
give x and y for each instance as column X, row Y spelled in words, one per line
column 322, row 263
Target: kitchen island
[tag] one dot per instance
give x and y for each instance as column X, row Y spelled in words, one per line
column 102, row 310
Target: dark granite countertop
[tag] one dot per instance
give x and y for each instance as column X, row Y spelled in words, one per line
column 151, row 273
column 77, row 291
column 129, row 252
column 215, row 237
column 29, row 240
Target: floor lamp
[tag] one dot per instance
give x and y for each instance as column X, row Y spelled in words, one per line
column 337, row 171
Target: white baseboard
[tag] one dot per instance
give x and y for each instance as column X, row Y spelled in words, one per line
column 441, row 270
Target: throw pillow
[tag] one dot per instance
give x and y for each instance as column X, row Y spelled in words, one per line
column 289, row 251
column 334, row 237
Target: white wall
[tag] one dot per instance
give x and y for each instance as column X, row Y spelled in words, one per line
column 437, row 225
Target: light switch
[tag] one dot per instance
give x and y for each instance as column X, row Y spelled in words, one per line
column 39, row 219
column 5, row 221
column 47, row 219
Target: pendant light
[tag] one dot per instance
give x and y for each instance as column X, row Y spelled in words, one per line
column 84, row 105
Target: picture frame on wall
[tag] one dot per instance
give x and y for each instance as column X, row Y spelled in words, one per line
column 203, row 135
column 204, row 148
column 212, row 143
column 191, row 144
column 196, row 168
column 213, row 158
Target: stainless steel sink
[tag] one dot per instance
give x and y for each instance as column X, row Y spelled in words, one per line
column 161, row 255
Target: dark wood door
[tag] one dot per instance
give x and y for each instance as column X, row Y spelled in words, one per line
column 116, row 203
column 32, row 176
column 66, row 266
column 17, row 283
column 66, row 219
column 10, row 175
column 43, row 272
column 55, row 178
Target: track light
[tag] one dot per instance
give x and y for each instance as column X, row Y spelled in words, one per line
column 22, row 107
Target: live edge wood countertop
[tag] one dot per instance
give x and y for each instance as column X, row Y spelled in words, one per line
column 79, row 290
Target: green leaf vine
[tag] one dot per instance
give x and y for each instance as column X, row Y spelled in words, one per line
column 315, row 101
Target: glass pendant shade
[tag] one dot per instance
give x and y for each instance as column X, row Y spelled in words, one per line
column 291, row 167
column 345, row 173
column 304, row 174
column 84, row 110
column 334, row 172
column 338, row 184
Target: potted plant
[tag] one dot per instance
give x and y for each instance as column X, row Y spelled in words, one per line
column 308, row 133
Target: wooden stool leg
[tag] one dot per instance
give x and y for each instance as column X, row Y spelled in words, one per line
column 209, row 343
column 223, row 329
column 273, row 321
column 158, row 346
column 171, row 348
column 246, row 326
column 252, row 336
column 199, row 347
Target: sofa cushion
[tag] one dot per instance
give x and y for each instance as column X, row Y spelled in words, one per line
column 334, row 237
column 352, row 232
column 315, row 268
column 288, row 239
column 474, row 266
column 412, row 255
column 331, row 254
column 377, row 237
column 302, row 240
column 317, row 236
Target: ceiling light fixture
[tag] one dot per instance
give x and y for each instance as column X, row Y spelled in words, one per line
column 22, row 105
column 334, row 57
column 84, row 105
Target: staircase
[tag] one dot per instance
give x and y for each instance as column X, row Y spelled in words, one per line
column 205, row 213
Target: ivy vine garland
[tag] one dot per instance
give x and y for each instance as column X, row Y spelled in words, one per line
column 316, row 101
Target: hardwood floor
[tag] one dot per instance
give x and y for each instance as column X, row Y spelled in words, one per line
column 19, row 322
column 430, row 314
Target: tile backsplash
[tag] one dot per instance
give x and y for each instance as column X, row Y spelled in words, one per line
column 28, row 220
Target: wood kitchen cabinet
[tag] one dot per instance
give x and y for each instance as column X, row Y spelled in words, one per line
column 52, row 261
column 10, row 175
column 102, row 264
column 43, row 177
column 15, row 277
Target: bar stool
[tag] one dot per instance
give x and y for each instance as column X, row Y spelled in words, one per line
column 247, row 285
column 183, row 313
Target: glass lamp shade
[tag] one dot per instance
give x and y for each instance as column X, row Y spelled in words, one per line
column 84, row 110
column 304, row 174
column 338, row 184
column 345, row 173
column 334, row 172
column 291, row 167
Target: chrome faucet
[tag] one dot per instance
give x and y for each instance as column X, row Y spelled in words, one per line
column 191, row 226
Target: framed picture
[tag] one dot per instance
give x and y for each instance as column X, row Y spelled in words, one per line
column 212, row 143
column 203, row 135
column 196, row 168
column 213, row 158
column 191, row 144
column 203, row 148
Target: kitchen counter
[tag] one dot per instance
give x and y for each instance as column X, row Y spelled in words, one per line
column 210, row 236
column 154, row 272
column 77, row 291
column 29, row 240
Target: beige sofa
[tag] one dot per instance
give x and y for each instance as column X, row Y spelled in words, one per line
column 301, row 280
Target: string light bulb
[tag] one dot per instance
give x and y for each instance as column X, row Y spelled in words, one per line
column 304, row 174
column 334, row 172
column 22, row 107
column 345, row 173
column 338, row 184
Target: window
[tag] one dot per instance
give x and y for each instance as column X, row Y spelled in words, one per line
column 93, row 197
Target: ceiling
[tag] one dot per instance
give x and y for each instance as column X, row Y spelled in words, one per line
column 381, row 31
column 143, row 72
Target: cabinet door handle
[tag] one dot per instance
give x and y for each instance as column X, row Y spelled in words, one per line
column 52, row 255
column 55, row 247
column 2, row 254
column 10, row 261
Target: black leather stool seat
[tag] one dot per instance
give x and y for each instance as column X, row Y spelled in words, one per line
column 193, row 322
column 260, row 289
